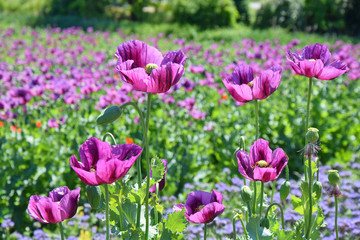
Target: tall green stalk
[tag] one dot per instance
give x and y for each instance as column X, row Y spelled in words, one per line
column 107, row 199
column 308, row 231
column 147, row 166
column 61, row 231
column 336, row 216
column 257, row 127
column 261, row 197
column 307, row 118
column 205, row 229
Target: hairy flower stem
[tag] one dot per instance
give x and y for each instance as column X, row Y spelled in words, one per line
column 205, row 227
column 254, row 198
column 273, row 191
column 138, row 162
column 307, row 118
column 61, row 231
column 110, row 135
column 336, row 216
column 107, row 211
column 281, row 213
column 147, row 167
column 308, row 231
column 155, row 211
column 256, row 137
column 261, row 197
column 234, row 229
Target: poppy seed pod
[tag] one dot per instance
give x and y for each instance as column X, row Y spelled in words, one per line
column 246, row 194
column 312, row 136
column 284, row 190
column 109, row 115
column 333, row 177
column 94, row 195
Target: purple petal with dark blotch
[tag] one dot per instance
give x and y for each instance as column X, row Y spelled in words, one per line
column 267, row 83
column 137, row 77
column 174, row 57
column 241, row 93
column 264, row 174
column 49, row 210
column 260, row 150
column 245, row 165
column 33, row 210
column 317, row 51
column 86, row 176
column 58, row 193
column 242, row 74
column 69, row 204
column 208, row 213
column 311, row 68
column 162, row 78
column 333, row 70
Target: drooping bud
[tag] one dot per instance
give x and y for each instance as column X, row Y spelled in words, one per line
column 333, row 177
column 246, row 194
column 94, row 195
column 317, row 189
column 265, row 223
column 284, row 190
column 312, row 136
column 109, row 115
column 149, row 67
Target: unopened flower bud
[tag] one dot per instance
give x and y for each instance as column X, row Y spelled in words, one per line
column 317, row 189
column 333, row 177
column 264, row 222
column 284, row 190
column 246, row 194
column 109, row 115
column 149, row 67
column 94, row 195
column 312, row 136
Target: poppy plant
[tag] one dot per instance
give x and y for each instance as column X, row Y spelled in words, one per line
column 102, row 163
column 262, row 164
column 146, row 69
column 314, row 61
column 202, row 207
column 243, row 87
column 60, row 205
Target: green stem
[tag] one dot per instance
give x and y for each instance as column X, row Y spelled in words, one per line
column 234, row 229
column 205, row 227
column 273, row 191
column 249, row 208
column 244, row 228
column 107, row 211
column 254, row 198
column 308, row 231
column 120, row 211
column 257, row 127
column 155, row 211
column 110, row 135
column 61, row 231
column 147, row 166
column 281, row 213
column 307, row 117
column 318, row 168
column 336, row 215
column 138, row 162
column 261, row 197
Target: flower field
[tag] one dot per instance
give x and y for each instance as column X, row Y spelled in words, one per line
column 218, row 115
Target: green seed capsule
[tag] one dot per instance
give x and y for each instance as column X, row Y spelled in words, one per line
column 264, row 222
column 312, row 136
column 317, row 189
column 109, row 115
column 333, row 177
column 94, row 195
column 284, row 190
column 246, row 194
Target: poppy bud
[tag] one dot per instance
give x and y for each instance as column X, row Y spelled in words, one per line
column 317, row 189
column 333, row 177
column 109, row 115
column 246, row 194
column 284, row 190
column 264, row 222
column 312, row 136
column 94, row 195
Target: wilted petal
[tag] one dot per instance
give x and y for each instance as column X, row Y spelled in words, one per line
column 140, row 52
column 333, row 70
column 264, row 174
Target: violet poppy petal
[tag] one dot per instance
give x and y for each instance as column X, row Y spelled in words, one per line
column 179, row 207
column 162, row 78
column 58, row 193
column 260, row 150
column 241, row 93
column 333, row 70
column 49, row 210
column 242, row 74
column 174, row 57
column 87, row 177
column 33, row 210
column 92, row 150
column 245, row 165
column 280, row 159
column 207, row 213
column 126, row 151
column 317, row 51
column 127, row 65
column 69, row 204
column 137, row 77
column 311, row 68
column 196, row 199
column 216, row 196
column 296, row 68
column 264, row 174
column 267, row 83
column 140, row 52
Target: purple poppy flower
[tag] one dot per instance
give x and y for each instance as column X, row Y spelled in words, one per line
column 262, row 164
column 315, row 62
column 162, row 182
column 60, row 205
column 102, row 163
column 146, row 69
column 243, row 87
column 202, row 207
